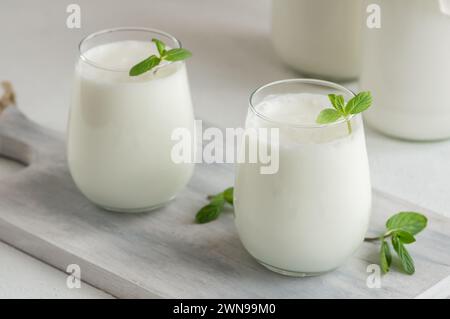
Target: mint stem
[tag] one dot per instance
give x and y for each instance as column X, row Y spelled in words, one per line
column 370, row 239
column 386, row 235
column 349, row 126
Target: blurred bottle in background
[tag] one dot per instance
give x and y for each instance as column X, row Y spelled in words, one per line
column 406, row 66
column 319, row 38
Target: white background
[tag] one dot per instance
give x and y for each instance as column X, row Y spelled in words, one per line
column 232, row 56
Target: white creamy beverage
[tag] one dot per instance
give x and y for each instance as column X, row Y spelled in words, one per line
column 313, row 214
column 319, row 37
column 406, row 66
column 119, row 140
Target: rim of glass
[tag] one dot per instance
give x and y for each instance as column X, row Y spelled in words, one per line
column 301, row 81
column 119, row 29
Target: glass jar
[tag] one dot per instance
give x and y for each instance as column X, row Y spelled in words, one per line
column 119, row 134
column 319, row 37
column 406, row 66
column 313, row 213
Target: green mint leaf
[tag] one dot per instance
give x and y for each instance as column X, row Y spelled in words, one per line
column 228, row 195
column 405, row 257
column 211, row 211
column 152, row 61
column 410, row 222
column 208, row 213
column 177, row 55
column 328, row 116
column 359, row 103
column 385, row 257
column 160, row 46
column 145, row 65
column 218, row 199
column 404, row 236
column 338, row 102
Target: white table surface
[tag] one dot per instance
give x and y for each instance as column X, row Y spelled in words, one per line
column 232, row 56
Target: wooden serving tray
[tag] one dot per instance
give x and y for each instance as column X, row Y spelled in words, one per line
column 164, row 253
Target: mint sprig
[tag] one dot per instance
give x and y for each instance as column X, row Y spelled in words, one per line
column 357, row 104
column 402, row 228
column 215, row 207
column 385, row 256
column 152, row 61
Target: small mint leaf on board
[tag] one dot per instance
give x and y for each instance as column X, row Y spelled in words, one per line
column 361, row 102
column 215, row 207
column 160, row 46
column 338, row 102
column 228, row 195
column 385, row 257
column 401, row 227
column 328, row 116
column 405, row 257
column 404, row 236
column 410, row 222
column 177, row 55
column 211, row 211
column 145, row 65
column 218, row 199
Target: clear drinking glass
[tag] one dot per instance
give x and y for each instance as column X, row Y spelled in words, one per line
column 119, row 134
column 311, row 215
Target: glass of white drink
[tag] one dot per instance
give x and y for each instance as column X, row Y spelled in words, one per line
column 311, row 215
column 119, row 134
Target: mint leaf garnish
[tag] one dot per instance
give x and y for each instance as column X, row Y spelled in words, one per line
column 152, row 61
column 357, row 104
column 402, row 228
column 407, row 221
column 337, row 101
column 211, row 211
column 145, row 65
column 177, row 55
column 328, row 116
column 161, row 46
column 405, row 258
column 385, row 256
column 215, row 207
column 404, row 236
column 228, row 195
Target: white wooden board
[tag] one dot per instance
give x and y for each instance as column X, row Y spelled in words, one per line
column 164, row 253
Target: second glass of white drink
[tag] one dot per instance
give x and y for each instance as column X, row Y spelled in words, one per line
column 311, row 215
column 119, row 135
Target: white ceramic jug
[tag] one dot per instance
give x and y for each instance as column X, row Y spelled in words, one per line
column 318, row 37
column 406, row 66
